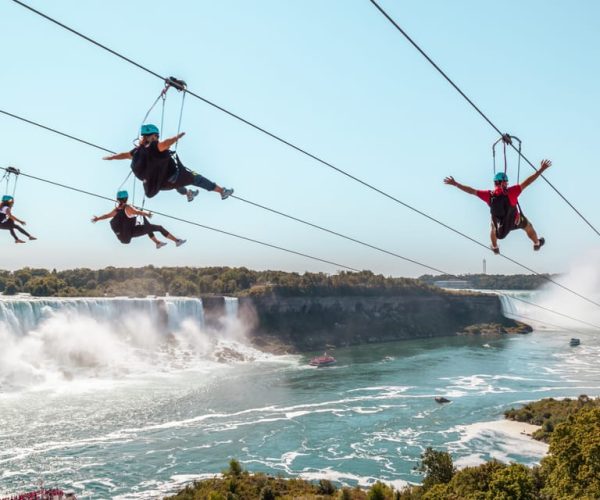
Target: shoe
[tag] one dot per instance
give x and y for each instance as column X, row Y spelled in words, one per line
column 32, row 238
column 496, row 250
column 160, row 244
column 19, row 241
column 180, row 242
column 540, row 244
column 191, row 194
column 226, row 193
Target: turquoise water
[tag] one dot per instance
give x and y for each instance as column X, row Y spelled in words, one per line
column 143, row 433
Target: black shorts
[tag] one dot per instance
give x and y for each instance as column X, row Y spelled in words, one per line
column 522, row 222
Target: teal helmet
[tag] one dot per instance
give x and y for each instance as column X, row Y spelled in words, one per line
column 149, row 129
column 500, row 177
column 122, row 195
column 7, row 197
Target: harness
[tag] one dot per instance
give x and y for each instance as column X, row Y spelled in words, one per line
column 122, row 225
column 503, row 214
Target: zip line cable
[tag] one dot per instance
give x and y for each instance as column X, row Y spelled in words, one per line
column 303, row 151
column 316, row 226
column 281, row 140
column 476, row 108
column 186, row 221
column 310, row 155
column 222, row 231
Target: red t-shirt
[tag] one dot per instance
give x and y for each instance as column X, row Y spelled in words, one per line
column 513, row 193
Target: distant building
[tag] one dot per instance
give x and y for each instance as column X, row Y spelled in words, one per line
column 456, row 284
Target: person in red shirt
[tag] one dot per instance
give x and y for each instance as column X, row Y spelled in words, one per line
column 503, row 206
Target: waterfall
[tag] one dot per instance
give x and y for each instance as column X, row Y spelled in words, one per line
column 49, row 342
column 231, row 307
column 57, row 340
column 20, row 315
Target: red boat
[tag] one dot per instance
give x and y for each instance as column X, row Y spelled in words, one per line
column 324, row 360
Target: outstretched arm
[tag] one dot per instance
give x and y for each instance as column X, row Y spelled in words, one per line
column 15, row 219
column 119, row 156
column 545, row 165
column 467, row 189
column 167, row 143
column 109, row 215
column 134, row 211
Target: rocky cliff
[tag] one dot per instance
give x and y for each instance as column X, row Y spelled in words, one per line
column 313, row 323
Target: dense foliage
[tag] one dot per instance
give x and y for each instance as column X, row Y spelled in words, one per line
column 570, row 471
column 494, row 281
column 237, row 484
column 191, row 281
column 550, row 412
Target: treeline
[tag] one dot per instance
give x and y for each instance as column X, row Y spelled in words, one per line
column 193, row 281
column 571, row 470
column 494, row 281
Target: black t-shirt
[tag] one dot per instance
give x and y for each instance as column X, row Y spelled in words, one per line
column 153, row 167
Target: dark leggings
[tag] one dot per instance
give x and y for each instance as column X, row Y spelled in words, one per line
column 187, row 177
column 11, row 226
column 148, row 229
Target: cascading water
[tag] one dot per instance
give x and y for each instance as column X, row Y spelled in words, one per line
column 51, row 341
column 23, row 314
column 231, row 307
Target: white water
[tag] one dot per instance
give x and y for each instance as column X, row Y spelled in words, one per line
column 49, row 342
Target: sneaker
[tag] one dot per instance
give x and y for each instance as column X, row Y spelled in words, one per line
column 540, row 244
column 160, row 244
column 19, row 241
column 191, row 194
column 496, row 250
column 226, row 193
column 32, row 238
column 180, row 242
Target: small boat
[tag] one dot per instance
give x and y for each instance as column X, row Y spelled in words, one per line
column 324, row 360
column 441, row 399
column 574, row 342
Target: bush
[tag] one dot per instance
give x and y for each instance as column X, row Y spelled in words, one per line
column 437, row 466
column 235, row 468
column 512, row 482
column 326, row 487
column 380, row 491
column 267, row 493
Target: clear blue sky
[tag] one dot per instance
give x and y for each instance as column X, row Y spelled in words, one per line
column 333, row 77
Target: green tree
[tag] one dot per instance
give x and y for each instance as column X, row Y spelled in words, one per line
column 437, row 466
column 512, row 482
column 572, row 468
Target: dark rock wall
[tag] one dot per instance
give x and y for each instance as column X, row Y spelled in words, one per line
column 312, row 323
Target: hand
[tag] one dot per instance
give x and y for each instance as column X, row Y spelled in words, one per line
column 149, row 215
column 179, row 136
column 450, row 181
column 546, row 164
column 23, row 222
column 107, row 158
column 94, row 219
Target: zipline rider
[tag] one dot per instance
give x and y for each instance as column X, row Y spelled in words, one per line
column 123, row 222
column 8, row 220
column 161, row 170
column 504, row 207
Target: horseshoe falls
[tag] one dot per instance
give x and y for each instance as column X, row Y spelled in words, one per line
column 134, row 398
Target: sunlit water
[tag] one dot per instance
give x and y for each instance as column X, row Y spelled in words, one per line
column 166, row 412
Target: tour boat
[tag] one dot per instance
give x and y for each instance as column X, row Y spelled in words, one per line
column 324, row 360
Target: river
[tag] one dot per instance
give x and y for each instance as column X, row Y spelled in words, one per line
column 94, row 399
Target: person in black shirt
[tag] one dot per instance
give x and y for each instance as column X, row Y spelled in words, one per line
column 123, row 222
column 8, row 220
column 160, row 169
